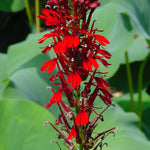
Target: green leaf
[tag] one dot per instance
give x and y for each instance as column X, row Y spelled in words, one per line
column 137, row 51
column 22, row 126
column 20, row 53
column 3, row 75
column 128, row 137
column 120, row 38
column 3, row 60
column 146, row 122
column 12, row 5
column 124, row 101
column 139, row 14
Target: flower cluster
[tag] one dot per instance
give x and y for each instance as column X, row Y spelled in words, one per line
column 79, row 53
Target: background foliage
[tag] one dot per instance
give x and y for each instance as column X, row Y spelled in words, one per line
column 23, row 87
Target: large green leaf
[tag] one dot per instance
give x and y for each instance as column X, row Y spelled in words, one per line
column 124, row 101
column 138, row 12
column 21, row 53
column 128, row 137
column 3, row 76
column 21, row 126
column 24, row 79
column 12, row 5
column 3, row 60
column 137, row 51
column 120, row 38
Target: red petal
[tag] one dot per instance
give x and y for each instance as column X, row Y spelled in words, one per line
column 101, row 39
column 94, row 62
column 101, row 83
column 104, row 62
column 50, row 65
column 60, row 48
column 82, row 118
column 47, row 49
column 46, row 36
column 105, row 53
column 74, row 79
column 72, row 133
column 48, row 105
column 56, row 97
column 71, row 41
column 49, row 13
column 41, row 17
column 106, row 100
column 87, row 65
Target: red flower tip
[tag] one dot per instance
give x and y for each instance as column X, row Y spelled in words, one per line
column 82, row 118
column 101, row 39
column 74, row 79
column 48, row 105
column 72, row 133
column 57, row 122
column 101, row 83
column 50, row 65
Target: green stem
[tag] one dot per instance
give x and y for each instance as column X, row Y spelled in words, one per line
column 140, row 77
column 81, row 146
column 28, row 11
column 129, row 81
column 37, row 11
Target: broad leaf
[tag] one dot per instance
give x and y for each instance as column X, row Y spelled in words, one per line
column 21, row 126
column 120, row 38
column 138, row 12
column 128, row 136
column 12, row 5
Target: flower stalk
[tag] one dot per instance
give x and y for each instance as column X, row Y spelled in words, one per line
column 28, row 11
column 37, row 12
column 129, row 81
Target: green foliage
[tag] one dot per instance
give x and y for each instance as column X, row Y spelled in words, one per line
column 12, row 5
column 22, row 126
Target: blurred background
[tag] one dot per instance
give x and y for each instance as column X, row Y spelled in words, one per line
column 23, row 93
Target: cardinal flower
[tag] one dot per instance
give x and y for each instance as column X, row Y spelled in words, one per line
column 50, row 65
column 82, row 118
column 74, row 79
column 51, row 17
column 72, row 133
column 55, row 98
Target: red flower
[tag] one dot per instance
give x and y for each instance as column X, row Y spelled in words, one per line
column 46, row 36
column 60, row 48
column 51, row 17
column 101, row 39
column 55, row 98
column 71, row 41
column 101, row 83
column 74, row 79
column 50, row 65
column 105, row 53
column 82, row 118
column 87, row 64
column 72, row 133
column 105, row 99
